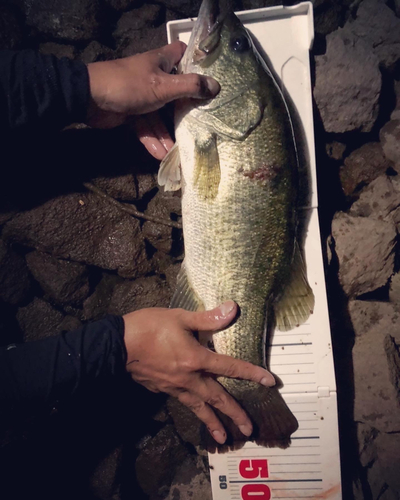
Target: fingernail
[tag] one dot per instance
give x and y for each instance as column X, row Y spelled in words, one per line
column 219, row 436
column 213, row 86
column 226, row 308
column 246, row 429
column 268, row 380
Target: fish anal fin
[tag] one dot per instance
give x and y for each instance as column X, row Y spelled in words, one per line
column 169, row 174
column 273, row 422
column 297, row 301
column 184, row 296
column 207, row 172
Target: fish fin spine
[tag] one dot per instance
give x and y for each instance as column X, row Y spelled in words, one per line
column 169, row 174
column 184, row 296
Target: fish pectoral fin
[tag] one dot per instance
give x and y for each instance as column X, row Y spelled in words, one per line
column 184, row 296
column 207, row 172
column 297, row 301
column 169, row 174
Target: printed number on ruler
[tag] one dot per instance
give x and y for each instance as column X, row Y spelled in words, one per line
column 251, row 469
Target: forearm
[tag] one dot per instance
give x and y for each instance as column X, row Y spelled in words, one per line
column 40, row 91
column 37, row 374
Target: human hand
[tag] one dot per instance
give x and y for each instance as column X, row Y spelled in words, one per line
column 164, row 356
column 141, row 84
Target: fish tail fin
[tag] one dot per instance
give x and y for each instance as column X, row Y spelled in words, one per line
column 297, row 301
column 273, row 422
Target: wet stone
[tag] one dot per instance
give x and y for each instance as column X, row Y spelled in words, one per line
column 95, row 51
column 63, row 281
column 144, row 40
column 363, row 166
column 39, row 320
column 97, row 304
column 390, row 140
column 122, row 188
column 58, row 50
column 335, row 150
column 190, row 481
column 365, row 251
column 348, row 84
column 14, row 276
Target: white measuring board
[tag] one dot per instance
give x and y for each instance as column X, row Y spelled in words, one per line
column 301, row 358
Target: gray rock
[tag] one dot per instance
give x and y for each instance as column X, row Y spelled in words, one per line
column 76, row 20
column 63, row 281
column 130, row 296
column 95, row 51
column 363, row 166
column 366, row 436
column 335, row 150
column 328, row 17
column 187, row 425
column 14, row 276
column 122, row 5
column 388, row 446
column 348, row 84
column 158, row 460
column 379, row 199
column 144, row 40
column 390, row 140
column 396, row 112
column 83, row 228
column 39, row 320
column 394, row 291
column 190, row 481
column 377, row 25
column 186, row 8
column 132, row 23
column 69, row 323
column 122, row 188
column 58, row 49
column 146, row 183
column 365, row 250
column 104, row 482
column 376, row 401
column 97, row 304
column 10, row 28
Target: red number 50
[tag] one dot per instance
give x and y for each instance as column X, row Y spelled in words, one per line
column 250, row 469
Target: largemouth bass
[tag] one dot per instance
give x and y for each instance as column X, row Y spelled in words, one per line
column 235, row 160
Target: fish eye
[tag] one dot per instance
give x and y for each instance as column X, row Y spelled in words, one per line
column 240, row 43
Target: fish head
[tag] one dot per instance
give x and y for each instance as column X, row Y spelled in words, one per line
column 221, row 47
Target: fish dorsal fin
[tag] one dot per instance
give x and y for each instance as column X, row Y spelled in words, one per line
column 169, row 174
column 184, row 296
column 207, row 172
column 297, row 302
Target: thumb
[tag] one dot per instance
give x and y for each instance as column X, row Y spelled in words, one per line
column 212, row 320
column 190, row 85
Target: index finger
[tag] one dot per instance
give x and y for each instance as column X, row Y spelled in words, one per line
column 220, row 364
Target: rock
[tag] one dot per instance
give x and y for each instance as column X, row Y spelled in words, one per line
column 14, row 276
column 365, row 250
column 157, row 461
column 388, row 446
column 145, row 40
column 396, row 112
column 95, row 51
column 328, row 17
column 122, row 188
column 104, row 480
column 377, row 25
column 348, row 84
column 69, row 323
column 130, row 296
column 190, row 481
column 76, row 20
column 63, row 281
column 366, row 436
column 58, row 49
column 390, row 140
column 376, row 400
column 96, row 305
column 379, row 199
column 122, row 5
column 39, row 320
column 335, row 150
column 134, row 23
column 10, row 28
column 187, row 8
column 187, row 425
column 363, row 166
column 83, row 228
column 394, row 291
column 146, row 183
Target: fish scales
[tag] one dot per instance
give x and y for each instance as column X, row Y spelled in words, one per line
column 238, row 170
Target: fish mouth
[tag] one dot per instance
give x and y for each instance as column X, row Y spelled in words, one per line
column 206, row 23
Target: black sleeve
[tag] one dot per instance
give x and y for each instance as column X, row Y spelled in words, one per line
column 41, row 91
column 43, row 372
